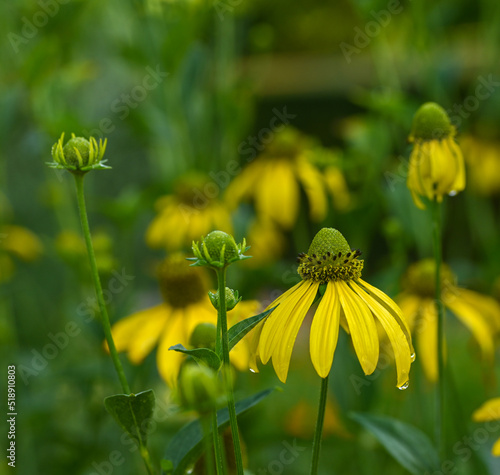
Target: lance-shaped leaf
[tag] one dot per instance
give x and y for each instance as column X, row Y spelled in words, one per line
column 238, row 331
column 186, row 446
column 200, row 355
column 407, row 444
column 131, row 411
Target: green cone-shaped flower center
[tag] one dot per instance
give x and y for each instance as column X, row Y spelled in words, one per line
column 330, row 259
column 431, row 122
column 420, row 278
column 180, row 284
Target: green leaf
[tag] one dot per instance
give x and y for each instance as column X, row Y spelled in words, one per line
column 238, row 331
column 407, row 444
column 186, row 446
column 131, row 411
column 201, row 355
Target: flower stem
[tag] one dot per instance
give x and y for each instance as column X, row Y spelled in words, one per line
column 440, row 426
column 97, row 283
column 319, row 426
column 205, row 424
column 219, row 461
column 102, row 306
column 226, row 369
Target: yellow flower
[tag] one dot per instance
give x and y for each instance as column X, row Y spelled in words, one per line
column 436, row 163
column 275, row 179
column 19, row 242
column 489, row 411
column 187, row 214
column 483, row 160
column 347, row 300
column 185, row 305
column 479, row 313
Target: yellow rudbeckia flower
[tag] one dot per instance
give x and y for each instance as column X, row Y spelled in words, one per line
column 490, row 411
column 483, row 164
column 479, row 313
column 275, row 179
column 190, row 212
column 347, row 300
column 436, row 165
column 185, row 305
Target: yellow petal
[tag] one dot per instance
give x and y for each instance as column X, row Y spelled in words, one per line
column 325, row 331
column 489, row 411
column 409, row 305
column 472, row 319
column 289, row 329
column 253, row 346
column 312, row 184
column 126, row 330
column 459, row 182
column 495, row 450
column 20, row 241
column 399, row 342
column 147, row 335
column 361, row 325
column 169, row 362
column 427, row 340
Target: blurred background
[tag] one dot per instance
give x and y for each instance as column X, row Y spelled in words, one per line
column 275, row 119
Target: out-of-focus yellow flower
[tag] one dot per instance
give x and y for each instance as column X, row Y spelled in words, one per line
column 275, row 179
column 347, row 300
column 436, row 163
column 21, row 242
column 185, row 305
column 190, row 212
column 268, row 243
column 479, row 313
column 302, row 417
column 483, row 160
column 489, row 411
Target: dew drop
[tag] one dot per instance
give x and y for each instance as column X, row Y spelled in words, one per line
column 252, row 371
column 452, row 193
column 404, row 386
column 412, row 357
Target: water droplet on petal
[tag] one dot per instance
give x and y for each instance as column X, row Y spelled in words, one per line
column 452, row 193
column 412, row 357
column 404, row 386
column 252, row 371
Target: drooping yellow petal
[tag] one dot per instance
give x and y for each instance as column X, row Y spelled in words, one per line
column 325, row 331
column 495, row 450
column 20, row 241
column 124, row 331
column 361, row 325
column 273, row 328
column 243, row 185
column 413, row 181
column 399, row 342
column 409, row 305
column 487, row 306
column 472, row 319
column 426, row 336
column 253, row 346
column 289, row 328
column 456, row 152
column 312, row 184
column 489, row 411
column 169, row 362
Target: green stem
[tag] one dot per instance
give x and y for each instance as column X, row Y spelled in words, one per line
column 219, row 460
column 205, row 424
column 102, row 306
column 226, row 369
column 440, row 427
column 319, row 426
column 97, row 283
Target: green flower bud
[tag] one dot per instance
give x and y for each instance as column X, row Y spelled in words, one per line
column 203, row 336
column 79, row 155
column 431, row 122
column 218, row 249
column 232, row 298
column 199, row 389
